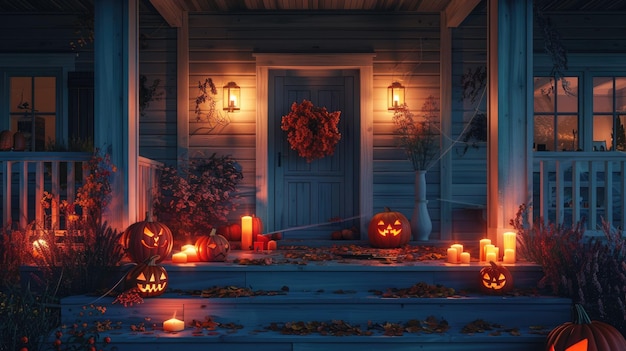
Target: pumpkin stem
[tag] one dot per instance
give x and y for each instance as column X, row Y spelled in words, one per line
column 148, row 216
column 493, row 265
column 213, row 230
column 387, row 209
column 580, row 316
column 152, row 260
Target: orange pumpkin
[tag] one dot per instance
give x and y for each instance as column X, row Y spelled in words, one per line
column 389, row 229
column 583, row 334
column 145, row 239
column 149, row 279
column 6, row 140
column 19, row 141
column 231, row 231
column 495, row 279
column 212, row 248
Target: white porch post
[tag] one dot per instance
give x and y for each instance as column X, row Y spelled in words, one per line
column 510, row 111
column 116, row 102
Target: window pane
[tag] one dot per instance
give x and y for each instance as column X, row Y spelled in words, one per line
column 567, row 99
column 45, row 94
column 21, row 94
column 543, row 94
column 602, row 94
column 602, row 130
column 621, row 133
column 620, row 95
column 567, row 133
column 544, row 133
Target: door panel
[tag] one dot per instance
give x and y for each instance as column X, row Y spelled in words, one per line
column 307, row 196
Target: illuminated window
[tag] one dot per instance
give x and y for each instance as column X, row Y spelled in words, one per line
column 609, row 113
column 556, row 114
column 33, row 110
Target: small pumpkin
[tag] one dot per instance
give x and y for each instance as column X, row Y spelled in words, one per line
column 212, row 248
column 149, row 278
column 148, row 238
column 389, row 229
column 19, row 141
column 6, row 140
column 495, row 279
column 231, row 231
column 583, row 334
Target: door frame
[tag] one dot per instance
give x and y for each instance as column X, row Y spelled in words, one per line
column 358, row 61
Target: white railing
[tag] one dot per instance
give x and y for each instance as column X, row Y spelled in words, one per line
column 574, row 186
column 26, row 176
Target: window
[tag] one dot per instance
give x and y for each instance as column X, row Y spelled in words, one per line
column 557, row 116
column 33, row 110
column 609, row 113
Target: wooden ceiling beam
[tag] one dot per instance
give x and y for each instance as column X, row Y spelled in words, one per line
column 458, row 10
column 170, row 10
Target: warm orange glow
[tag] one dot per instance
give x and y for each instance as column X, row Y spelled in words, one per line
column 579, row 346
column 246, row 232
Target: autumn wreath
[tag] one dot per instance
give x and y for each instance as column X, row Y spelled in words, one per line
column 312, row 131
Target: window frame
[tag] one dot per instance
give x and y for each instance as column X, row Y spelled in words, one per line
column 586, row 67
column 37, row 65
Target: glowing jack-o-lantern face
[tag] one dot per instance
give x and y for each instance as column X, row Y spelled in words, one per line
column 148, row 278
column 212, row 248
column 385, row 229
column 495, row 279
column 583, row 334
column 143, row 240
column 389, row 229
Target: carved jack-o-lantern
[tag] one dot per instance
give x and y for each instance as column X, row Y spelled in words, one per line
column 149, row 279
column 145, row 239
column 495, row 279
column 583, row 334
column 389, row 229
column 212, row 248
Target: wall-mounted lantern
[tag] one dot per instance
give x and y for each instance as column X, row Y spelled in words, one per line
column 232, row 97
column 395, row 96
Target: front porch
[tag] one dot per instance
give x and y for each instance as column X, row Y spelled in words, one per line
column 303, row 298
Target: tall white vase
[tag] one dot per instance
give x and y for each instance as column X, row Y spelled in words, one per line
column 421, row 225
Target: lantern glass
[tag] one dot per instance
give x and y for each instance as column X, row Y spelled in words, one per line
column 395, row 96
column 232, row 97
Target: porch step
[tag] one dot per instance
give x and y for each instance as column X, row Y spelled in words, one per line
column 345, row 291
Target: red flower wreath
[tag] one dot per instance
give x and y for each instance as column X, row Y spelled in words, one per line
column 312, row 131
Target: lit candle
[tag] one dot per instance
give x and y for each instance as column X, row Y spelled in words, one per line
column 258, row 246
column 465, row 257
column 246, row 232
column 483, row 242
column 260, row 238
column 452, row 255
column 489, row 248
column 271, row 245
column 179, row 257
column 509, row 256
column 459, row 251
column 173, row 325
column 491, row 257
column 510, row 241
column 192, row 254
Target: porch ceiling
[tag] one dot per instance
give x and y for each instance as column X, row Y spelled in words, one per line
column 81, row 6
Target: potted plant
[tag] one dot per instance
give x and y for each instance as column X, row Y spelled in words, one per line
column 418, row 136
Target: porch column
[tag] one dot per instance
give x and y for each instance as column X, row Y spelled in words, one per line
column 510, row 111
column 116, row 102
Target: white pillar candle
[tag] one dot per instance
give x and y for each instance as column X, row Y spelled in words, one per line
column 179, row 257
column 489, row 248
column 173, row 324
column 509, row 256
column 246, row 233
column 491, row 257
column 452, row 255
column 465, row 257
column 192, row 254
column 509, row 240
column 459, row 251
column 483, row 242
column 271, row 245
